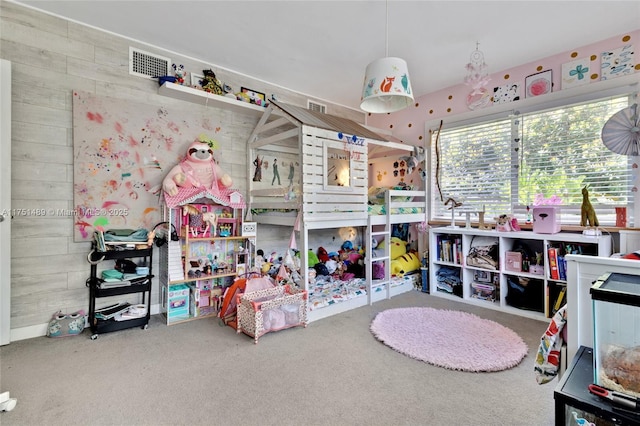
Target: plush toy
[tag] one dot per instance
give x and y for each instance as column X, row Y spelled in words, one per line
column 312, row 259
column 179, row 72
column 414, row 160
column 397, row 247
column 198, row 169
column 503, row 223
column 323, row 255
column 401, row 261
column 404, row 264
column 211, row 84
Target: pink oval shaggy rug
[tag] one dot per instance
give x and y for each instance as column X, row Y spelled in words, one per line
column 450, row 339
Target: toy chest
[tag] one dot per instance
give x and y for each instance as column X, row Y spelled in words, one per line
column 271, row 309
column 616, row 336
column 546, row 220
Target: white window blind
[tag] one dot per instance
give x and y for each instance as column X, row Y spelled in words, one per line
column 505, row 164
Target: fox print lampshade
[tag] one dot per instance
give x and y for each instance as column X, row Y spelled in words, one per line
column 387, row 87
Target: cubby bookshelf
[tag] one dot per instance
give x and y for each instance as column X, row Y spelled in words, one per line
column 526, row 288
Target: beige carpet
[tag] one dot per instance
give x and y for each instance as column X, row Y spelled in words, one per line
column 334, row 372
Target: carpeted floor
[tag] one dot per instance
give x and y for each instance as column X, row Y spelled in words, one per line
column 334, row 372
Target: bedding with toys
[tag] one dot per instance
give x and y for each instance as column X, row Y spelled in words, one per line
column 339, row 276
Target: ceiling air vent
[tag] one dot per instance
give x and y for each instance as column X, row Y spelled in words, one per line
column 145, row 64
column 313, row 106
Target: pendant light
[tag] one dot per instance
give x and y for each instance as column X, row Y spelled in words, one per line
column 387, row 87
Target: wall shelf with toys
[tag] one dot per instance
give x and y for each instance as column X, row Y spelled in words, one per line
column 206, row 259
column 516, row 272
column 198, row 96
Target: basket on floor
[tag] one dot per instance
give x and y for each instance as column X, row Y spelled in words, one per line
column 271, row 309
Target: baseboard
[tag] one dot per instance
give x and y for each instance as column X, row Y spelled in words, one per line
column 40, row 330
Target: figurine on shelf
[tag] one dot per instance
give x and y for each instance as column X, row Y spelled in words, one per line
column 587, row 212
column 179, row 72
column 211, row 221
column 211, row 84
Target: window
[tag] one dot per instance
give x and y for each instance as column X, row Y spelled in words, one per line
column 506, row 163
column 337, row 167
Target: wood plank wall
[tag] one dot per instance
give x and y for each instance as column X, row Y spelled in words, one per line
column 51, row 57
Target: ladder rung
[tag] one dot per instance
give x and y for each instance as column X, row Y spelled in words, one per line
column 380, row 233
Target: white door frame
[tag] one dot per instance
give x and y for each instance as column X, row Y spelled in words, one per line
column 5, row 202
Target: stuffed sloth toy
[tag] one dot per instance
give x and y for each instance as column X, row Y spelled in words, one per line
column 197, row 170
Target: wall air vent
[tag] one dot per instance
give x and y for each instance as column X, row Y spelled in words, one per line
column 314, row 106
column 145, row 64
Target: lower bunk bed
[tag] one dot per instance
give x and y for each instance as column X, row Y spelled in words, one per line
column 329, row 297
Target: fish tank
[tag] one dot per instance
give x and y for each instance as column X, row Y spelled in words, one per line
column 616, row 332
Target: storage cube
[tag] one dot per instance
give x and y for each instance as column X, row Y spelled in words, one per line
column 513, row 261
column 546, row 220
column 271, row 309
column 616, row 332
column 483, row 291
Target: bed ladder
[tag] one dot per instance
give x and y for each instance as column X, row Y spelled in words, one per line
column 383, row 257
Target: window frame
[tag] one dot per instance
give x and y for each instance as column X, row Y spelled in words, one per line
column 556, row 100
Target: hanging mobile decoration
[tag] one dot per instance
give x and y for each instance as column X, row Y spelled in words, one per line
column 477, row 78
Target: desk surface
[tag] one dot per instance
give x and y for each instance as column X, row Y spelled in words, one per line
column 573, row 390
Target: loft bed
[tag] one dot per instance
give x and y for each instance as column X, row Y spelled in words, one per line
column 311, row 169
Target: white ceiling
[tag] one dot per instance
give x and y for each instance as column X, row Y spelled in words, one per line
column 321, row 48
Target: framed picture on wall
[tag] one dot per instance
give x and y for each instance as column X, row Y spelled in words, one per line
column 537, row 84
column 253, row 96
column 196, row 79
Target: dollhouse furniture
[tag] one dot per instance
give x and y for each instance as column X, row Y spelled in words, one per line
column 211, row 252
column 329, row 189
column 271, row 309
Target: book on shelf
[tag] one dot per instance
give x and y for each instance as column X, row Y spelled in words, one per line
column 560, row 300
column 450, row 250
column 100, row 243
column 554, row 273
column 111, row 284
column 562, row 268
column 111, row 311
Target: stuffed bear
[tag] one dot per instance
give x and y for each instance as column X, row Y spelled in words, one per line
column 198, row 169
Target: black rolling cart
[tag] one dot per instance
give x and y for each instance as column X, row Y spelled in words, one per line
column 142, row 286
